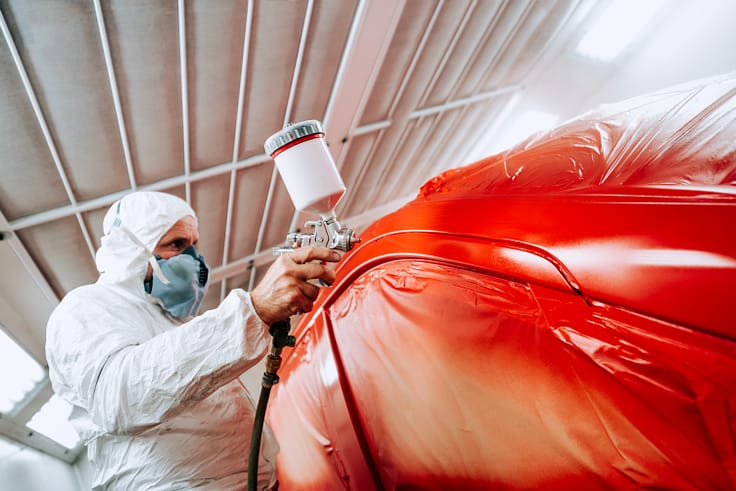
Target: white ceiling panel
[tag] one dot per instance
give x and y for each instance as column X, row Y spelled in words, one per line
column 248, row 208
column 329, row 27
column 272, row 59
column 65, row 67
column 541, row 27
column 214, row 51
column 93, row 220
column 144, row 52
column 210, row 204
column 279, row 217
column 60, row 251
column 26, row 161
column 477, row 25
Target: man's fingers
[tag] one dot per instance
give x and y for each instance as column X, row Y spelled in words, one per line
column 312, row 271
column 306, row 254
column 309, row 290
column 284, row 289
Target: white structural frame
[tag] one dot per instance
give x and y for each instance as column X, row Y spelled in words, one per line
column 287, row 114
column 236, row 141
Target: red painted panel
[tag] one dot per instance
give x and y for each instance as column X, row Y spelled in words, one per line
column 322, row 451
column 556, row 317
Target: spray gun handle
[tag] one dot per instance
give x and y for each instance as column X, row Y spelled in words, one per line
column 280, row 333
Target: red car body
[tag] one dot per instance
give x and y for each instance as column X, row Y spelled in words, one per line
column 556, row 317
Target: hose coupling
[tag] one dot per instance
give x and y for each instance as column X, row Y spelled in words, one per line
column 273, row 363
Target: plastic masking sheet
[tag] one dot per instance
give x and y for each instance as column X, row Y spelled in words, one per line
column 426, row 373
column 682, row 135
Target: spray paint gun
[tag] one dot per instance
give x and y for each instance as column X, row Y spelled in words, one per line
column 324, row 233
column 314, row 184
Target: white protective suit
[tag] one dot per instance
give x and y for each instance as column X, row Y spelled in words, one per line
column 156, row 400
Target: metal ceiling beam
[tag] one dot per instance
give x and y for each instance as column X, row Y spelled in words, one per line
column 373, row 28
column 371, row 127
column 390, row 188
column 365, row 49
column 287, row 115
column 415, row 58
column 22, row 434
column 107, row 200
column 262, row 226
column 236, row 140
column 434, row 143
column 228, row 167
column 464, row 101
column 33, row 401
column 28, row 263
column 505, row 44
column 449, row 50
column 30, row 93
column 427, row 111
column 566, row 24
column 446, row 56
column 298, row 63
column 418, row 113
column 376, row 143
column 440, row 144
column 41, row 119
column 184, row 94
column 115, row 92
column 240, row 266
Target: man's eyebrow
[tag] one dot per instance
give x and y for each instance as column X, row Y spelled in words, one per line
column 175, row 238
column 186, row 237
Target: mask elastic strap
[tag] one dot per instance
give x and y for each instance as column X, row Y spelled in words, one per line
column 151, row 257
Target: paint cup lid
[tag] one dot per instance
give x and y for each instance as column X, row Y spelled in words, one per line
column 291, row 133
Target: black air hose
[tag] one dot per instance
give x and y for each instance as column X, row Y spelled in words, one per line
column 280, row 333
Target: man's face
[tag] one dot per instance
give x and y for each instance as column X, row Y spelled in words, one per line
column 181, row 235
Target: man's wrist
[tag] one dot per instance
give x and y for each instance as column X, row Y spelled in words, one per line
column 255, row 309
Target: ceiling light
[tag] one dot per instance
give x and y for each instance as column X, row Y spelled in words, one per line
column 616, row 27
column 51, row 421
column 19, row 373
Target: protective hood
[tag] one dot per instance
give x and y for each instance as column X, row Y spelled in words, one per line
column 146, row 216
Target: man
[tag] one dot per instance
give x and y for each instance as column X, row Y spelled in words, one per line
column 155, row 392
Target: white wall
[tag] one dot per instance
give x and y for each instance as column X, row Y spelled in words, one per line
column 690, row 39
column 695, row 39
column 83, row 470
column 26, row 469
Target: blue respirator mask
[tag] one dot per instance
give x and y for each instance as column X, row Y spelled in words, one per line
column 180, row 283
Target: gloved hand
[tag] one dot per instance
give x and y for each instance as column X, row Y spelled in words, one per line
column 285, row 288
